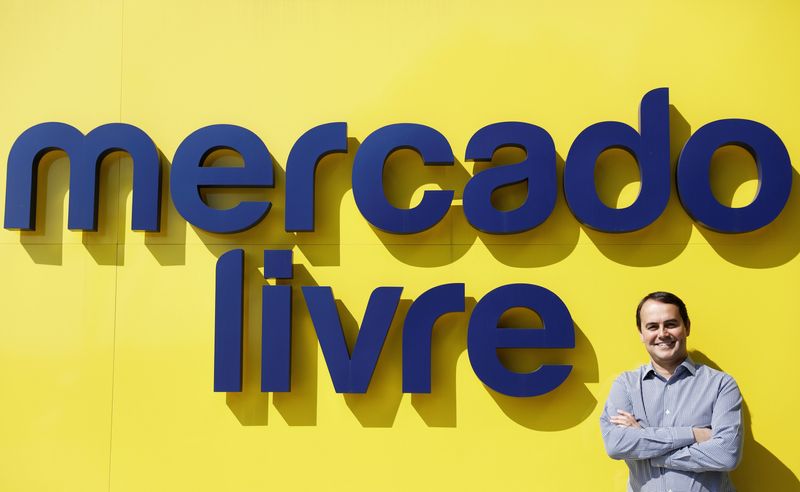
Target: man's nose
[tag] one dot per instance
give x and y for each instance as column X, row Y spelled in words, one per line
column 662, row 332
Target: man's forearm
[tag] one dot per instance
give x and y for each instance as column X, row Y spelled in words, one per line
column 713, row 455
column 644, row 443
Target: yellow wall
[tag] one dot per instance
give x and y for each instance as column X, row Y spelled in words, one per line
column 106, row 338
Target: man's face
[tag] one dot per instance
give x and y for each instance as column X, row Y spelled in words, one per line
column 663, row 332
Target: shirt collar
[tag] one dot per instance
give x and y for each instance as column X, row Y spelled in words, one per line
column 649, row 371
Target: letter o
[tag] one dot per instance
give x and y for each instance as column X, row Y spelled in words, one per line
column 774, row 175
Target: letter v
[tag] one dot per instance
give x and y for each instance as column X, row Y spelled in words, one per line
column 352, row 374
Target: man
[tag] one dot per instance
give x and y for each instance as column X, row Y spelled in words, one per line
column 677, row 424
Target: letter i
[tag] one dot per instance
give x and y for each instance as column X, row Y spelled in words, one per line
column 276, row 323
column 228, row 322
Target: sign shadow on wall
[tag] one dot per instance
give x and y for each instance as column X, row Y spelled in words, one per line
column 615, row 172
column 543, row 245
column 299, row 406
column 546, row 244
column 322, row 246
column 732, row 166
column 270, row 229
column 404, row 177
column 775, row 244
column 448, row 346
column 563, row 408
column 759, row 469
column 167, row 246
column 44, row 244
column 566, row 406
column 106, row 245
column 378, row 406
column 173, row 226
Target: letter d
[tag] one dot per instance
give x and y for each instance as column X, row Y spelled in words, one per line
column 651, row 151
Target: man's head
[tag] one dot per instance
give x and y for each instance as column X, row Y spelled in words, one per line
column 664, row 325
column 665, row 298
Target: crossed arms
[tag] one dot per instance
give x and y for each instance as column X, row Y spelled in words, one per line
column 680, row 448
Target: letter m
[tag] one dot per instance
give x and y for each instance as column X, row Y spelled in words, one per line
column 85, row 155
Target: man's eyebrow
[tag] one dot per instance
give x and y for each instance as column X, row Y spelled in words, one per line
column 654, row 323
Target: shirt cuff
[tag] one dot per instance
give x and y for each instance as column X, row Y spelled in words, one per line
column 659, row 461
column 682, row 437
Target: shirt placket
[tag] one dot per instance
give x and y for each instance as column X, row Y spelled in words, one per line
column 668, row 418
column 659, row 405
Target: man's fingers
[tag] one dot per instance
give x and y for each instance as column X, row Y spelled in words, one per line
column 623, row 420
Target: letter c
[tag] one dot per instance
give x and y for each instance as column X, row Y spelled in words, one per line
column 368, row 178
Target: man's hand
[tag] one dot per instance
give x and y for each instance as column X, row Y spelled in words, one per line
column 625, row 419
column 701, row 434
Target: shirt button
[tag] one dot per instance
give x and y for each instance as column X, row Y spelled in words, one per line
column 667, row 412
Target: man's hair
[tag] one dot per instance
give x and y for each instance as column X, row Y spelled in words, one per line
column 665, row 298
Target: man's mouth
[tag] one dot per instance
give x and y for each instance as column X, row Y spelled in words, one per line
column 666, row 344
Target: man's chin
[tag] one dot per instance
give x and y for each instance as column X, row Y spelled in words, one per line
column 667, row 356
